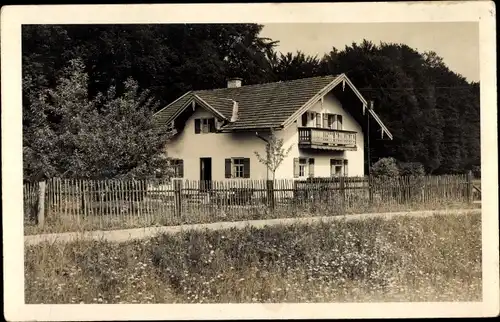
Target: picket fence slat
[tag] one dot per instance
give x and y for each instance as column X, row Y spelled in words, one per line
column 112, row 202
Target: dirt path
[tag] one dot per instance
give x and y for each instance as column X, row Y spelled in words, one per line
column 141, row 233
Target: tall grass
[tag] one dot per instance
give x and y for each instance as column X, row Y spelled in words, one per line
column 435, row 258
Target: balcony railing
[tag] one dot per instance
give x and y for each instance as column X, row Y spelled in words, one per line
column 321, row 138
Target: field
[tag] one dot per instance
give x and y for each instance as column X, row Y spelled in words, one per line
column 436, row 258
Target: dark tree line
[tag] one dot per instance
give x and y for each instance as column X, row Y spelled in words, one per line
column 432, row 112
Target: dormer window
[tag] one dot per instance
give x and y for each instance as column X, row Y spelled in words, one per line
column 335, row 121
column 204, row 125
column 311, row 119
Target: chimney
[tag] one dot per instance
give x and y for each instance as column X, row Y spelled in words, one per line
column 234, row 117
column 234, row 82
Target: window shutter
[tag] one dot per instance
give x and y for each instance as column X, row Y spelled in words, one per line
column 246, row 168
column 304, row 119
column 296, row 167
column 181, row 168
column 318, row 119
column 197, row 126
column 311, row 167
column 228, row 168
column 325, row 121
column 332, row 168
column 345, row 168
column 339, row 121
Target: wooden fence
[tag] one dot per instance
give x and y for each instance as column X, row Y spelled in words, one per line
column 181, row 201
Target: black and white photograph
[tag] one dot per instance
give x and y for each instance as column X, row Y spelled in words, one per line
column 315, row 158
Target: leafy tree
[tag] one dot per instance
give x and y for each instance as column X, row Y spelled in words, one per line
column 275, row 153
column 432, row 112
column 293, row 66
column 108, row 136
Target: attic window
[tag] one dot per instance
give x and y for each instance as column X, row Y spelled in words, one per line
column 204, row 125
column 335, row 121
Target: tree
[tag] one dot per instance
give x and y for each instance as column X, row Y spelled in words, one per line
column 432, row 112
column 108, row 136
column 293, row 66
column 275, row 153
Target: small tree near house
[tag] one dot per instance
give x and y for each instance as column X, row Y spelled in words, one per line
column 275, row 153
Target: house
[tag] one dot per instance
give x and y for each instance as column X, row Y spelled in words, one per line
column 218, row 131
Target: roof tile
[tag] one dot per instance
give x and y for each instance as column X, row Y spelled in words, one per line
column 260, row 105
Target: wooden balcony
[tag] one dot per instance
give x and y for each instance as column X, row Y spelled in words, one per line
column 327, row 139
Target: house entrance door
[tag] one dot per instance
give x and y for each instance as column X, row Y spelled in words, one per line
column 205, row 173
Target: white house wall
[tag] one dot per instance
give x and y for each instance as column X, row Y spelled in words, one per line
column 191, row 147
column 322, row 158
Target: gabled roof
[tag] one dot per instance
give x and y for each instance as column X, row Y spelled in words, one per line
column 269, row 105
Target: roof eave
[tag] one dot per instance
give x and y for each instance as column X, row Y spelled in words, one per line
column 172, row 103
column 209, row 107
column 382, row 125
column 197, row 99
column 224, row 129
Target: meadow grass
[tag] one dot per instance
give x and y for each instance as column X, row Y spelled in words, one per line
column 436, row 258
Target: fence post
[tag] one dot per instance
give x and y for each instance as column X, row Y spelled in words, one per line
column 342, row 191
column 178, row 196
column 370, row 189
column 469, row 186
column 41, row 204
column 270, row 193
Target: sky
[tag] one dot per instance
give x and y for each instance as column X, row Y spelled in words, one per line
column 456, row 42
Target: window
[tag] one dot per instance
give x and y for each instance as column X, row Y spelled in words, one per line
column 335, row 121
column 304, row 119
column 237, row 168
column 325, row 120
column 332, row 121
column 178, row 167
column 204, row 125
column 339, row 122
column 338, row 167
column 303, row 167
column 312, row 119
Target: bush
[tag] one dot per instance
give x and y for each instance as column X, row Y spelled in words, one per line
column 385, row 167
column 411, row 169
